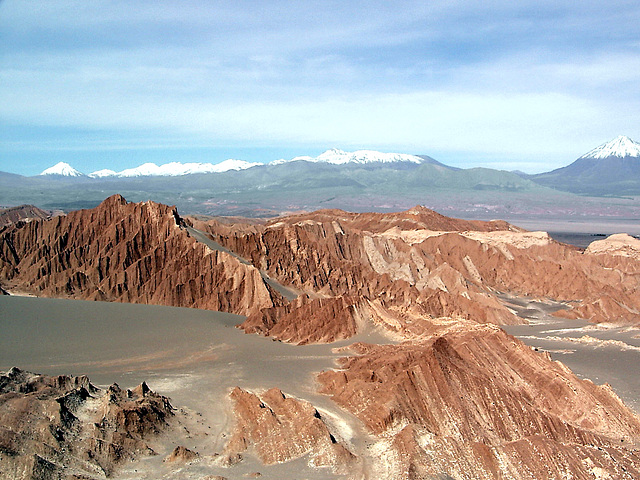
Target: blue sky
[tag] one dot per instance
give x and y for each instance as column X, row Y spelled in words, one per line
column 527, row 85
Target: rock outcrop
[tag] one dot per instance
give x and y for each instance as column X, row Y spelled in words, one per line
column 181, row 454
column 477, row 403
column 128, row 252
column 281, row 428
column 619, row 244
column 63, row 427
column 455, row 396
column 22, row 213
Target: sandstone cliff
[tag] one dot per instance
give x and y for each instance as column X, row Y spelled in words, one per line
column 128, row 252
column 64, row 427
column 22, row 213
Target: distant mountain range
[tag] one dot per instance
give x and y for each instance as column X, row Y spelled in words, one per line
column 364, row 180
column 171, row 169
column 174, row 169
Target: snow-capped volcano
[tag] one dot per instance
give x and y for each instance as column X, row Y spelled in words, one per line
column 620, row 146
column 611, row 168
column 63, row 169
column 340, row 157
column 174, row 169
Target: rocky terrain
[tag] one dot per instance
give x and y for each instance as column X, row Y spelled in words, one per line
column 127, row 252
column 281, row 428
column 446, row 393
column 64, row 427
column 24, row 213
column 478, row 404
column 401, row 269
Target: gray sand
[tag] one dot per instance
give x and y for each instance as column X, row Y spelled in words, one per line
column 193, row 356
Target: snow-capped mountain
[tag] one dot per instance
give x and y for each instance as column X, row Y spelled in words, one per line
column 340, row 157
column 613, row 168
column 620, row 146
column 173, row 169
column 103, row 173
column 62, row 169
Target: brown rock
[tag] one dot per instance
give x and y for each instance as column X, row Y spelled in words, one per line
column 477, row 400
column 22, row 213
column 281, row 428
column 181, row 454
column 417, row 266
column 306, row 320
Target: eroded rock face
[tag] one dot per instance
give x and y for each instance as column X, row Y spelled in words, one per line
column 337, row 318
column 414, row 267
column 280, row 428
column 64, row 427
column 128, row 252
column 181, row 454
column 477, row 403
column 458, row 398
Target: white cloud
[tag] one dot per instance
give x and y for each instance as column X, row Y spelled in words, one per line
column 426, row 76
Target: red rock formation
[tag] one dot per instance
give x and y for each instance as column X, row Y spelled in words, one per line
column 335, row 319
column 462, row 399
column 128, row 252
column 281, row 428
column 24, row 213
column 479, row 403
column 413, row 270
column 64, row 427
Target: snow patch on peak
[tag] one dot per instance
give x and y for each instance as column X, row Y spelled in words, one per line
column 62, row 168
column 340, row 157
column 232, row 164
column 621, row 146
column 143, row 170
column 174, row 169
column 105, row 172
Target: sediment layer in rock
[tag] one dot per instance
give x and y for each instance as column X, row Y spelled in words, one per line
column 22, row 213
column 281, row 428
column 417, row 266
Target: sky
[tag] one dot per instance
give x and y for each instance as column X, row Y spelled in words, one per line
column 527, row 85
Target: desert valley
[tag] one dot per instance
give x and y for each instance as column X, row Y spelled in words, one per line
column 325, row 240
column 326, row 344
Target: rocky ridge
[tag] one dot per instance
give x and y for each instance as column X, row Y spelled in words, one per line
column 128, row 252
column 24, row 213
column 63, row 427
column 453, row 395
column 407, row 270
column 476, row 403
column 281, row 428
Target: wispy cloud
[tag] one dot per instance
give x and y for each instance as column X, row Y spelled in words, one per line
column 513, row 81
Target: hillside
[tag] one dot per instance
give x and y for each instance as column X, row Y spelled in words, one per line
column 269, row 190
